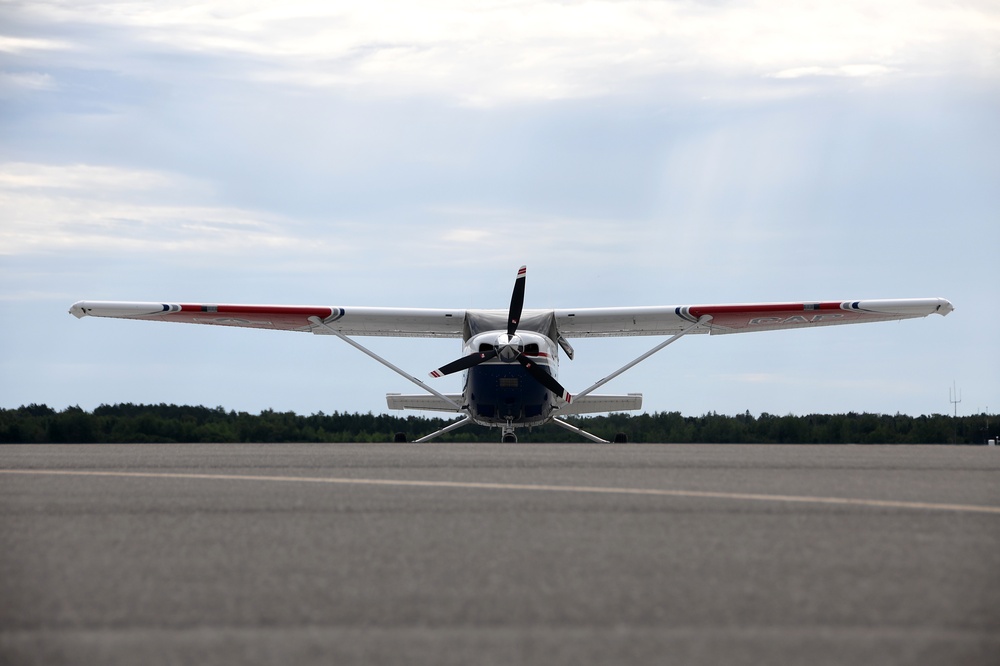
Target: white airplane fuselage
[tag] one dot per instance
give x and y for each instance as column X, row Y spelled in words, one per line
column 500, row 391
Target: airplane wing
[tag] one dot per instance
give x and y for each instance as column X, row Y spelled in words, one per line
column 584, row 322
column 598, row 403
column 394, row 322
column 739, row 318
column 424, row 401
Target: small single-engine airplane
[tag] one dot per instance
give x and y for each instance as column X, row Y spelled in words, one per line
column 511, row 358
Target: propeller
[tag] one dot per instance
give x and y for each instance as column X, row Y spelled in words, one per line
column 464, row 363
column 508, row 347
column 516, row 301
column 544, row 378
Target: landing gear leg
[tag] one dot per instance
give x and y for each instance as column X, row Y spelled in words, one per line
column 508, row 436
column 448, row 428
column 579, row 431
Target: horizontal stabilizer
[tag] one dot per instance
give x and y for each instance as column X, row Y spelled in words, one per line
column 424, row 401
column 593, row 404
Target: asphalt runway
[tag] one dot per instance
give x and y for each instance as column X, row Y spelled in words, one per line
column 499, row 554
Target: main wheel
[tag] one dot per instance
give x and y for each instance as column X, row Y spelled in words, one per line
column 400, row 437
column 621, row 438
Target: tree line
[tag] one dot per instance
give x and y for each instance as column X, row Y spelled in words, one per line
column 129, row 423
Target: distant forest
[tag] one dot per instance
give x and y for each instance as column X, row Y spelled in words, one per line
column 128, row 423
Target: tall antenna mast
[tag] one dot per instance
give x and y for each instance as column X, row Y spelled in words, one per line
column 954, row 397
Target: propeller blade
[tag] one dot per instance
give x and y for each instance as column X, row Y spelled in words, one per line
column 516, row 301
column 464, row 363
column 544, row 378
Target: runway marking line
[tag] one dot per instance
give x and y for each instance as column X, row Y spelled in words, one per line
column 473, row 485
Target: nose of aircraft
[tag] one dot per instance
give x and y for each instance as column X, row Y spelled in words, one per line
column 508, row 347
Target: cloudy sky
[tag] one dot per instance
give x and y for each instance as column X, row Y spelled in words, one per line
column 415, row 154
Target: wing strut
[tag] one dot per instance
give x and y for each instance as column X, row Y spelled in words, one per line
column 403, row 373
column 704, row 319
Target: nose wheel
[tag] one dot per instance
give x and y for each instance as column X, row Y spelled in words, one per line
column 508, row 436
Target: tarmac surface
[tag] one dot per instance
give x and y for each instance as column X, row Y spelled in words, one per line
column 499, row 554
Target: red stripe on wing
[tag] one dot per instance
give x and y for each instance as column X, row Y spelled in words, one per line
column 752, row 315
column 276, row 316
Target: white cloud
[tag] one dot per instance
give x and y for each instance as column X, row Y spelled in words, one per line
column 491, row 52
column 851, row 71
column 512, row 235
column 467, row 236
column 14, row 81
column 81, row 177
column 111, row 211
column 49, row 208
column 16, row 45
